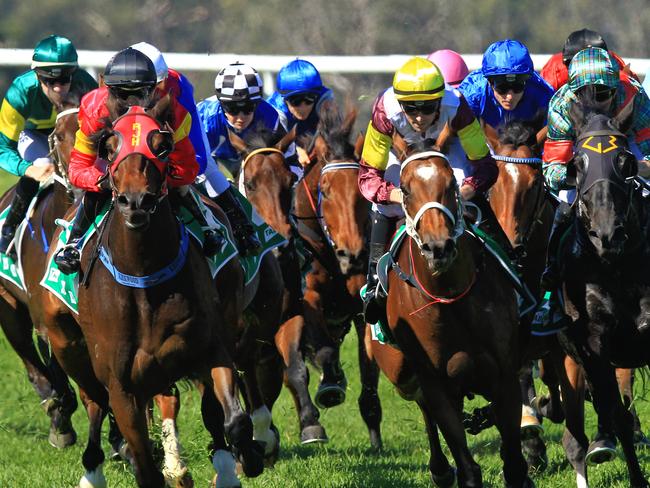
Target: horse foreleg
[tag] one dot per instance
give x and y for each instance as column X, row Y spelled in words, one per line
column 131, row 418
column 237, row 425
column 174, row 469
column 551, row 406
column 572, row 384
column 532, row 441
column 625, row 379
column 287, row 341
column 93, row 455
column 507, row 411
column 442, row 474
column 369, row 404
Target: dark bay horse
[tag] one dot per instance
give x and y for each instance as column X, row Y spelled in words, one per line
column 449, row 346
column 332, row 217
column 127, row 343
column 21, row 311
column 266, row 180
column 606, row 287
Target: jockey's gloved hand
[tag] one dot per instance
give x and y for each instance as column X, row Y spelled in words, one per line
column 104, row 182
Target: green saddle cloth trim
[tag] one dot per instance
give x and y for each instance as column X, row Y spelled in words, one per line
column 378, row 330
column 10, row 269
column 65, row 287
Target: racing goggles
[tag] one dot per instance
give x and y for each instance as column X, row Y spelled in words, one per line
column 297, row 100
column 503, row 84
column 53, row 76
column 603, row 93
column 141, row 92
column 236, row 108
column 424, row 107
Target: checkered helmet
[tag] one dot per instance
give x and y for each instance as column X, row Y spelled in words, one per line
column 238, row 83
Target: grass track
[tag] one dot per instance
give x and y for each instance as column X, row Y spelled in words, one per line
column 27, row 460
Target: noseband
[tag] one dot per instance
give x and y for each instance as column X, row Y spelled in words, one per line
column 457, row 220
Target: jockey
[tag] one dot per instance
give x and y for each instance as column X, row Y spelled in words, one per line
column 418, row 106
column 28, row 115
column 591, row 67
column 130, row 79
column 555, row 70
column 299, row 97
column 506, row 87
column 451, row 64
column 217, row 186
column 238, row 106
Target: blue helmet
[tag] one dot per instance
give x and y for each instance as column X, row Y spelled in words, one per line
column 299, row 76
column 507, row 57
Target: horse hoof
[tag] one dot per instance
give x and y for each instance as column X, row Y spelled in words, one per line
column 93, row 479
column 528, row 483
column 446, row 480
column 640, row 440
column 251, row 457
column 178, row 478
column 61, row 440
column 544, row 406
column 600, row 451
column 329, row 395
column 313, row 434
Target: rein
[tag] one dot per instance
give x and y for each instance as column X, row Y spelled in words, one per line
column 510, row 159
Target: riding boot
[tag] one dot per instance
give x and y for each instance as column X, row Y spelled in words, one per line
column 246, row 239
column 491, row 226
column 68, row 258
column 213, row 241
column 374, row 299
column 26, row 189
column 551, row 276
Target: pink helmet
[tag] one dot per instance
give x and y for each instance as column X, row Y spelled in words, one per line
column 452, row 65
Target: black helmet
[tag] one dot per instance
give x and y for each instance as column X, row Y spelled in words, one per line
column 579, row 40
column 130, row 68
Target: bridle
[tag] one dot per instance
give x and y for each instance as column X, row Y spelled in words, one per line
column 457, row 220
column 249, row 156
column 61, row 174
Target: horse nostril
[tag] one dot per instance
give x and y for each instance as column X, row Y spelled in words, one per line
column 122, row 201
column 147, row 201
column 619, row 234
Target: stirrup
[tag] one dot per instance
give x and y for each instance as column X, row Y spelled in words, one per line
column 247, row 242
column 213, row 242
column 68, row 259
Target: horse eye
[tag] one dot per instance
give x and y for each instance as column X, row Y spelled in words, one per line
column 249, row 185
column 405, row 192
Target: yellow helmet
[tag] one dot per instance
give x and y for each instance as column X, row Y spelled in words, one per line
column 418, row 79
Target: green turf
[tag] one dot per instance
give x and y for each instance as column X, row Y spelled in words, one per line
column 26, row 459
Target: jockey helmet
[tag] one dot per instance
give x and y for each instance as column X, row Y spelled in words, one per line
column 156, row 57
column 507, row 57
column 299, row 76
column 451, row 64
column 238, row 82
column 593, row 66
column 579, row 40
column 418, row 80
column 54, row 56
column 130, row 68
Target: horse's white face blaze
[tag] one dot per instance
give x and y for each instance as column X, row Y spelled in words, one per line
column 426, row 173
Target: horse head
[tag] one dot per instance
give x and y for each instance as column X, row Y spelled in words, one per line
column 432, row 205
column 518, row 196
column 265, row 177
column 603, row 171
column 62, row 138
column 344, row 210
column 136, row 147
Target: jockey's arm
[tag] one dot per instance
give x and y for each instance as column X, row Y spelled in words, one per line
column 374, row 159
column 473, row 141
column 12, row 123
column 82, row 170
column 558, row 148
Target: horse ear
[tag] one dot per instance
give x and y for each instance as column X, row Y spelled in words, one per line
column 161, row 111
column 399, row 145
column 576, row 113
column 237, row 142
column 284, row 143
column 491, row 134
column 320, row 147
column 624, row 119
column 358, row 145
column 350, row 118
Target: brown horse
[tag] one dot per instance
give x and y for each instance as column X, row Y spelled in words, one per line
column 267, row 182
column 448, row 346
column 332, row 218
column 20, row 311
column 128, row 343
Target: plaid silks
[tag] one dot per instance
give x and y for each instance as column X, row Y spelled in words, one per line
column 593, row 66
column 237, row 82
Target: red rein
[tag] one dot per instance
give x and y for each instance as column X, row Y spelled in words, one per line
column 435, row 299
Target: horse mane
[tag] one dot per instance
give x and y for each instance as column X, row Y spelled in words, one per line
column 261, row 136
column 421, row 145
column 336, row 130
column 518, row 133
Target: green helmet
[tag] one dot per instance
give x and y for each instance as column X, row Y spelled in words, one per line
column 54, row 54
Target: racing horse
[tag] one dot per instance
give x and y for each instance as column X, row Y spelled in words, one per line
column 20, row 309
column 606, row 287
column 447, row 347
column 332, row 218
column 267, row 182
column 162, row 321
